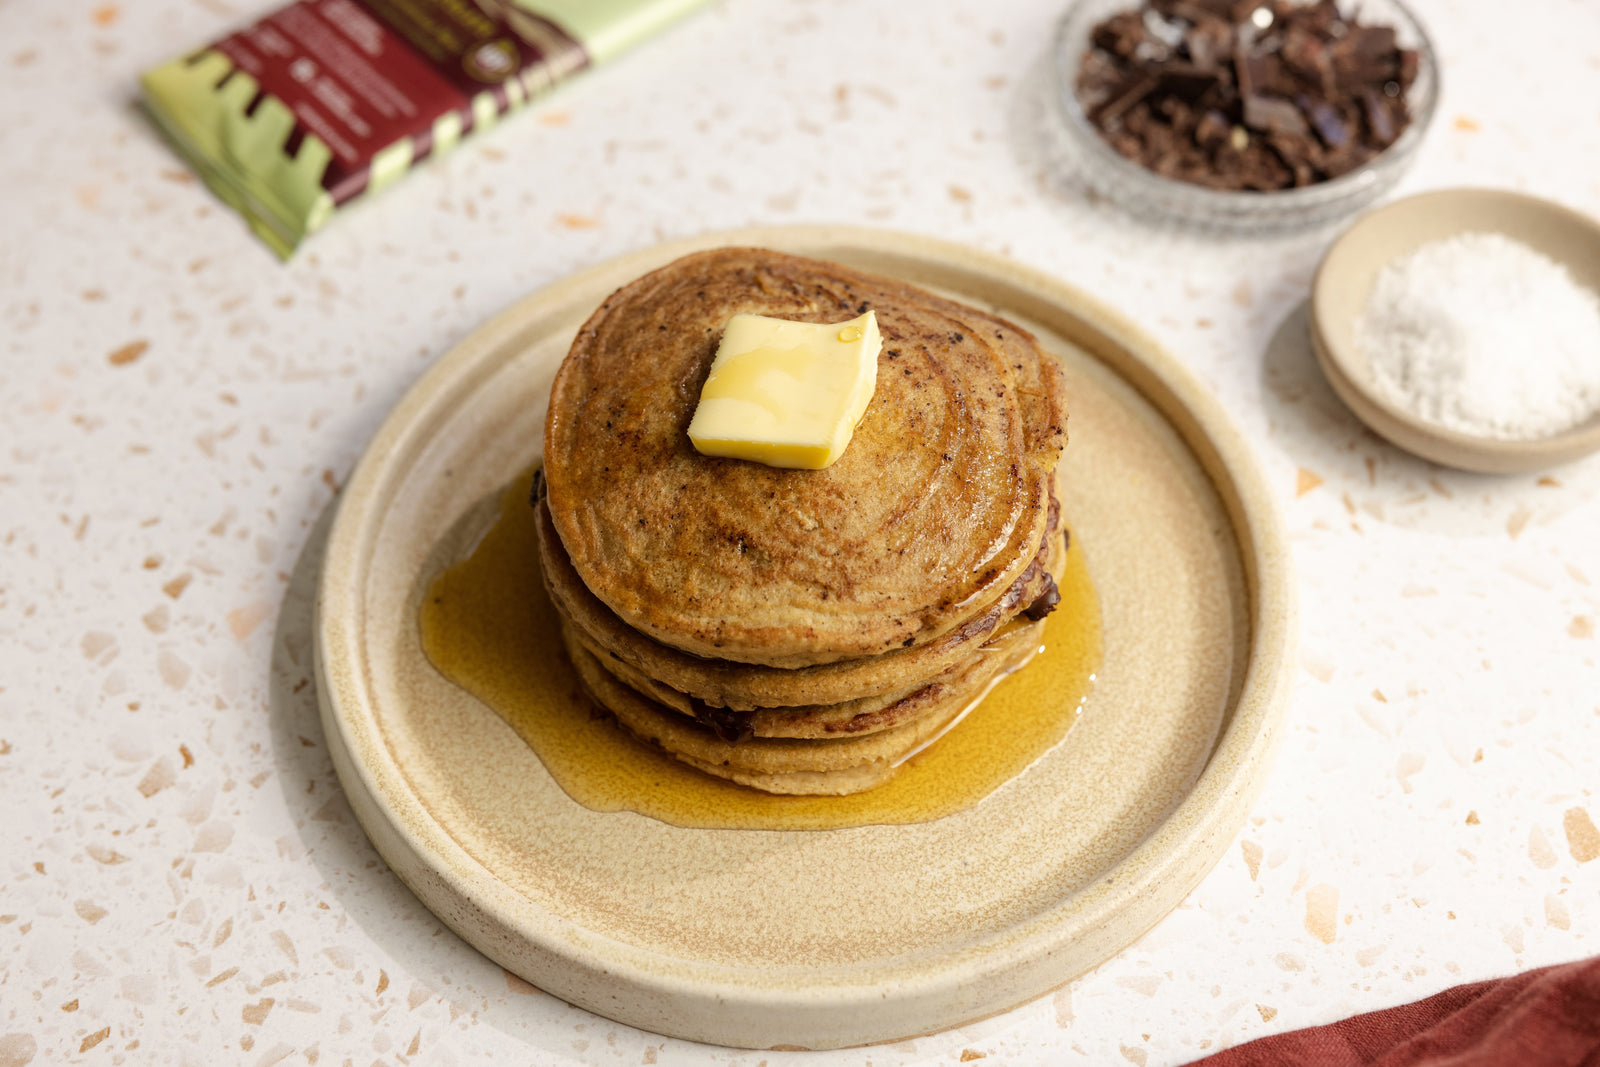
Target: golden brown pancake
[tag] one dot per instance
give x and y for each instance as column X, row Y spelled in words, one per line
column 925, row 523
column 960, row 684
column 861, row 715
column 834, row 766
column 742, row 687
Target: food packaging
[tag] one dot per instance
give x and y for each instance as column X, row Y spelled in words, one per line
column 325, row 102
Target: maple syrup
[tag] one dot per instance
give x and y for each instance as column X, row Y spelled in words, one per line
column 488, row 625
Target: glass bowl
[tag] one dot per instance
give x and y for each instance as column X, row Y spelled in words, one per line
column 1148, row 195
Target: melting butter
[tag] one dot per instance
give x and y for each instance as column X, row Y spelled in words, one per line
column 787, row 394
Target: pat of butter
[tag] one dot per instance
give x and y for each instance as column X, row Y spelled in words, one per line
column 787, row 394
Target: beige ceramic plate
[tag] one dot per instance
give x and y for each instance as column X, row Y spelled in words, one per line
column 825, row 938
column 1346, row 276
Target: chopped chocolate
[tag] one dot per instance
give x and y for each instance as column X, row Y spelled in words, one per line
column 1274, row 115
column 1209, row 43
column 1381, row 125
column 1188, row 80
column 1130, row 92
column 730, row 726
column 1246, row 94
column 1325, row 119
column 1212, row 129
column 1045, row 603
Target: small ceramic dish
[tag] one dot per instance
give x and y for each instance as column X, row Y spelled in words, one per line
column 1345, row 278
column 1146, row 194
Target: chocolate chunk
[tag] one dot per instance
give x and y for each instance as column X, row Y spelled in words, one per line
column 730, row 726
column 1408, row 70
column 1120, row 35
column 1272, row 115
column 1186, row 80
column 1366, row 54
column 1130, row 92
column 1380, row 122
column 1045, row 602
column 1260, row 72
column 1295, row 153
column 1308, row 57
column 1209, row 44
column 1333, row 130
column 1212, row 129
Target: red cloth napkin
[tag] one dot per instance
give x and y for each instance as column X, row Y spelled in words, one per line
column 1544, row 1018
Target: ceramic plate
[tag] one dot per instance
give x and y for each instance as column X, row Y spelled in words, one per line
column 822, row 939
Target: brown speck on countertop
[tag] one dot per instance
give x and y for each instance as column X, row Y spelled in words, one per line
column 1322, row 912
column 89, row 911
column 1518, row 521
column 1252, row 857
column 1540, row 851
column 128, row 353
column 516, row 984
column 1583, row 839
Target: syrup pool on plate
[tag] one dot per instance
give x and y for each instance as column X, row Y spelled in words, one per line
column 489, row 627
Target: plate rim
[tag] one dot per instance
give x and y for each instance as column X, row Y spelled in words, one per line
column 840, row 1006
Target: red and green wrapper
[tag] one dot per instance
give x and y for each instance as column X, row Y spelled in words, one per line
column 324, row 102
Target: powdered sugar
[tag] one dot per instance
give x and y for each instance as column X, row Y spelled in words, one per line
column 1481, row 334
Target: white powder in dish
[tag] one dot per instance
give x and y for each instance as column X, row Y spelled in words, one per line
column 1481, row 334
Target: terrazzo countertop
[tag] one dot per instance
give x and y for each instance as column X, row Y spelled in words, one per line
column 181, row 880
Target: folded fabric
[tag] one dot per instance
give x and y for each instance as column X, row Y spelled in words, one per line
column 1544, row 1018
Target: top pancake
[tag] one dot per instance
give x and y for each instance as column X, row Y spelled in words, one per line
column 936, row 507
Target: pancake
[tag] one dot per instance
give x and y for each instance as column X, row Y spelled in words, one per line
column 908, row 542
column 742, row 687
column 814, row 767
column 860, row 716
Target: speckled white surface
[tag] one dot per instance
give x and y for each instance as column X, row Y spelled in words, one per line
column 180, row 878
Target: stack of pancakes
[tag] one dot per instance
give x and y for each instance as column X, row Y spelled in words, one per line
column 799, row 631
